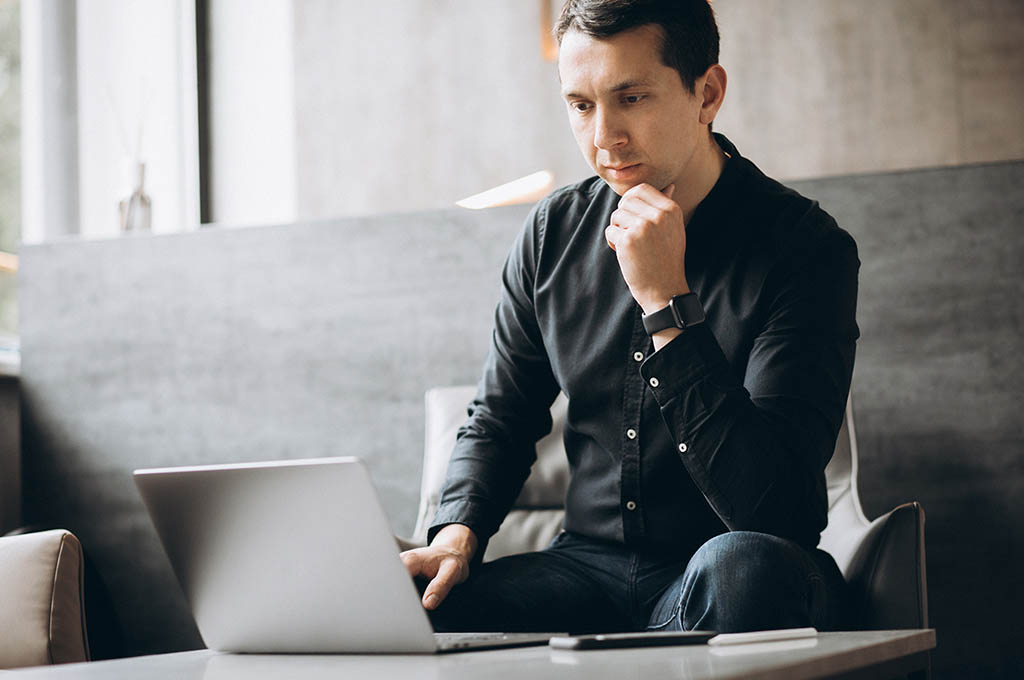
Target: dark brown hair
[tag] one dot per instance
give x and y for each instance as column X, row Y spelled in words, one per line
column 689, row 33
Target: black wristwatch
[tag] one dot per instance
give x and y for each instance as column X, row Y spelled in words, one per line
column 682, row 311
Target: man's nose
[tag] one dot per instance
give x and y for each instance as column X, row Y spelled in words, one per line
column 608, row 130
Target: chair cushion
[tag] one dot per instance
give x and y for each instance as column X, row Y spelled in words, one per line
column 525, row 530
column 42, row 619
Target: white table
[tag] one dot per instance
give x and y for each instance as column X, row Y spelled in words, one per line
column 871, row 654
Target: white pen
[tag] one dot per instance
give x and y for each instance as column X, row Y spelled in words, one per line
column 763, row 636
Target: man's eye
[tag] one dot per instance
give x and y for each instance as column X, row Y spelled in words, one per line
column 632, row 98
column 580, row 107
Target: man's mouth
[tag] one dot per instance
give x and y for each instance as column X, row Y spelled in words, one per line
column 623, row 171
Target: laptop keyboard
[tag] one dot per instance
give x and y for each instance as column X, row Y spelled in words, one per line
column 463, row 640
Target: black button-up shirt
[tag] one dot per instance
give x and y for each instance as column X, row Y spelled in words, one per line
column 728, row 427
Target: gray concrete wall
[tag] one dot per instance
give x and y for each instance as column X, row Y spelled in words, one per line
column 413, row 104
column 827, row 87
column 319, row 339
column 938, row 388
column 409, row 105
column 293, row 341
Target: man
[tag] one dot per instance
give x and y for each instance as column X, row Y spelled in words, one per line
column 700, row 318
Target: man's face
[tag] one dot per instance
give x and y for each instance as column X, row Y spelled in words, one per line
column 632, row 117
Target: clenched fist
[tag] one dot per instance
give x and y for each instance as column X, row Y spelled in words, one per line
column 648, row 236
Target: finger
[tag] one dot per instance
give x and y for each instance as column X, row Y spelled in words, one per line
column 441, row 585
column 611, row 234
column 632, row 213
column 413, row 562
column 648, row 194
column 669, row 190
column 625, row 219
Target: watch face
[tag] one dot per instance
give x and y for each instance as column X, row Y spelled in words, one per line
column 687, row 310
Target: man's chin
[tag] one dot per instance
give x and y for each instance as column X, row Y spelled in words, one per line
column 619, row 187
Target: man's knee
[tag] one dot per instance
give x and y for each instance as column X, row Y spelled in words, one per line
column 743, row 559
column 747, row 581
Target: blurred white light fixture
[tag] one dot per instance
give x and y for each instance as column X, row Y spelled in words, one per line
column 523, row 190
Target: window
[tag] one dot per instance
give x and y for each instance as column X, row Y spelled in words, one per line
column 10, row 163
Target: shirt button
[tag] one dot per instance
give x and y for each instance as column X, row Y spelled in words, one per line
column 631, row 433
column 654, row 382
column 638, row 356
column 630, row 505
column 682, row 448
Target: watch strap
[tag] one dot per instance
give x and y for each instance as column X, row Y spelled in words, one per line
column 682, row 311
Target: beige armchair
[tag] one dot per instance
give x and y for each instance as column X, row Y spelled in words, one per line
column 883, row 560
column 42, row 613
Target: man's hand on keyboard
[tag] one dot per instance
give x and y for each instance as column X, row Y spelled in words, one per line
column 445, row 562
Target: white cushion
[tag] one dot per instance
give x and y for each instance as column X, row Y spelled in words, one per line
column 42, row 618
column 537, row 514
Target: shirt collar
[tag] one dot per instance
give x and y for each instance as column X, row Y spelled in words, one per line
column 720, row 197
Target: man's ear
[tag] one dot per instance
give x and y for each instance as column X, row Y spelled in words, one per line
column 713, row 92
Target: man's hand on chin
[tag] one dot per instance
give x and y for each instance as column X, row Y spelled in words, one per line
column 445, row 562
column 648, row 236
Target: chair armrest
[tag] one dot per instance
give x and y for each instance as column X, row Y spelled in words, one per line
column 41, row 601
column 887, row 574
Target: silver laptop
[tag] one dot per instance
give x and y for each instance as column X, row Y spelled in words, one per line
column 293, row 556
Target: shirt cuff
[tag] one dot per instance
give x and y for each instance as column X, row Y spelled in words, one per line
column 468, row 513
column 677, row 367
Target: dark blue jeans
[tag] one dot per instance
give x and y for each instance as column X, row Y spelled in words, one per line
column 736, row 581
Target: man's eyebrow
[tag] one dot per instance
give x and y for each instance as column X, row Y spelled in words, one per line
column 629, row 85
column 619, row 87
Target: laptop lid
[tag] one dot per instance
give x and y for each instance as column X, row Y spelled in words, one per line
column 286, row 556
